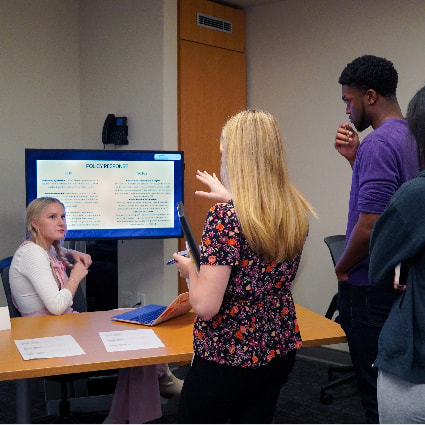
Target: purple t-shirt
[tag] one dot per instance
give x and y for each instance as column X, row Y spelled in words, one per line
column 386, row 158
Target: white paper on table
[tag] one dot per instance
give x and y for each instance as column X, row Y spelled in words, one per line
column 49, row 347
column 4, row 318
column 137, row 339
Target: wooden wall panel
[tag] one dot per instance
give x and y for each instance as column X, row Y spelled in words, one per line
column 211, row 88
column 190, row 30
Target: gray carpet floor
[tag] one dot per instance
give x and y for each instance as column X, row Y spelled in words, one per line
column 299, row 400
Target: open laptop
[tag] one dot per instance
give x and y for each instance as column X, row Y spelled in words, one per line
column 153, row 314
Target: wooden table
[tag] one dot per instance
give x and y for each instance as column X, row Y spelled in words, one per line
column 176, row 335
column 317, row 330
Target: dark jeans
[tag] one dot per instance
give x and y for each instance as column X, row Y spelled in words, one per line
column 362, row 313
column 214, row 393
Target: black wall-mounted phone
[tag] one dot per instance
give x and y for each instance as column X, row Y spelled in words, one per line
column 115, row 130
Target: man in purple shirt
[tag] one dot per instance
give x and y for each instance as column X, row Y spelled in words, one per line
column 386, row 158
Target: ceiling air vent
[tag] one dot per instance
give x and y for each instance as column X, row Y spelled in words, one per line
column 214, row 23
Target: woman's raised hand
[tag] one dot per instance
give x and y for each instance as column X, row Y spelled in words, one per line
column 217, row 191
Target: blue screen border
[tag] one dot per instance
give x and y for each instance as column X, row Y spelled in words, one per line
column 33, row 155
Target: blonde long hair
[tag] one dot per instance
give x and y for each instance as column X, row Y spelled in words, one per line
column 271, row 211
column 34, row 211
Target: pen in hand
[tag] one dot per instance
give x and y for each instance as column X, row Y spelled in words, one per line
column 183, row 253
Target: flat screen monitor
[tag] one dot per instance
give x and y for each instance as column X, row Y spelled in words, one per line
column 112, row 194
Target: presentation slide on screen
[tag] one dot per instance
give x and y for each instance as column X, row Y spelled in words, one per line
column 110, row 194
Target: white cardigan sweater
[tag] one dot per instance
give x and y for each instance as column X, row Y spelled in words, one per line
column 32, row 282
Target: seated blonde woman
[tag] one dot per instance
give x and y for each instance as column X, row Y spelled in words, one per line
column 40, row 286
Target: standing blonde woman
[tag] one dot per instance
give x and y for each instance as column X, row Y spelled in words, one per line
column 246, row 332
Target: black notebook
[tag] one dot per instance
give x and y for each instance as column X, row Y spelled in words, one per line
column 191, row 244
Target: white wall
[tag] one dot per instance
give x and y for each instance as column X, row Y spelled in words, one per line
column 40, row 96
column 64, row 66
column 296, row 52
column 128, row 57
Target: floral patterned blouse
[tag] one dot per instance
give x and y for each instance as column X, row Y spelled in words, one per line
column 256, row 321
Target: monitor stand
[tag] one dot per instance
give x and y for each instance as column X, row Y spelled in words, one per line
column 101, row 284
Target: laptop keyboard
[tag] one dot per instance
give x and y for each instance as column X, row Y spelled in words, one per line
column 150, row 316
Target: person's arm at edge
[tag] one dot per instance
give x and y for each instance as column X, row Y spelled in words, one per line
column 396, row 237
column 357, row 248
column 388, row 247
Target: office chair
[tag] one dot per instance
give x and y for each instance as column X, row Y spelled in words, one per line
column 4, row 271
column 64, row 415
column 336, row 245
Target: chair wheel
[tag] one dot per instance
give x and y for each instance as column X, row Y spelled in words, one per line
column 326, row 397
